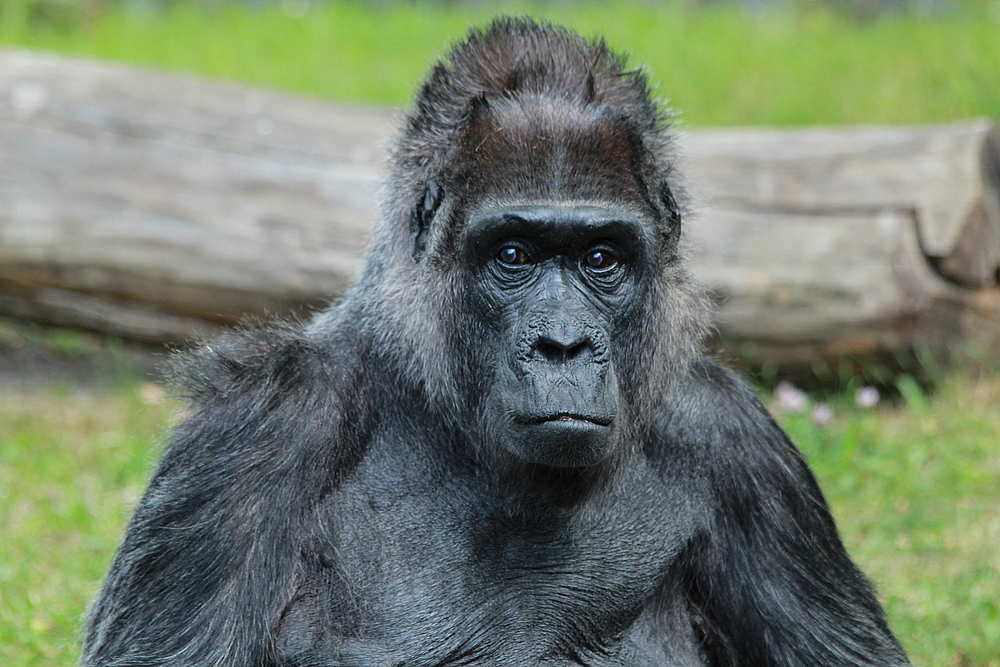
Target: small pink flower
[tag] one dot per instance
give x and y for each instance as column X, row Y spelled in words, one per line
column 822, row 415
column 867, row 397
column 789, row 398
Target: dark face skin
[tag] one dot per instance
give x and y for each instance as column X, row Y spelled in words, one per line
column 553, row 280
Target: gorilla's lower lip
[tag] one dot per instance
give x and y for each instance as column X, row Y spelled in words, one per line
column 567, row 417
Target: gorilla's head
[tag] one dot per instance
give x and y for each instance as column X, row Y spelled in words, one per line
column 527, row 262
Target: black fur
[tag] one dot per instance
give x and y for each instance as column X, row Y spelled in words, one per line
column 373, row 489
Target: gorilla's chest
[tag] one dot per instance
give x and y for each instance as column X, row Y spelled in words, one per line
column 426, row 574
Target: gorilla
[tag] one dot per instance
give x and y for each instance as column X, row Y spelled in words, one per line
column 504, row 446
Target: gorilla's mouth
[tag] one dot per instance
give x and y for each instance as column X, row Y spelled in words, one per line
column 568, row 418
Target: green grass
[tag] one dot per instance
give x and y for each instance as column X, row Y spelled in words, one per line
column 72, row 465
column 719, row 65
column 915, row 489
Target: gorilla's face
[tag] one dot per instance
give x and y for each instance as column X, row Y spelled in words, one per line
column 553, row 282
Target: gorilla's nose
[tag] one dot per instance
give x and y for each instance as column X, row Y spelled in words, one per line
column 562, row 347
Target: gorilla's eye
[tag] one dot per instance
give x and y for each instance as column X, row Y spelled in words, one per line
column 600, row 260
column 512, row 255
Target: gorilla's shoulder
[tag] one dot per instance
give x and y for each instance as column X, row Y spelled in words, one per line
column 711, row 391
column 713, row 407
column 716, row 426
column 261, row 362
column 274, row 392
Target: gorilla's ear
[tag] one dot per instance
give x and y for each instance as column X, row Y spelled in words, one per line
column 421, row 216
column 673, row 214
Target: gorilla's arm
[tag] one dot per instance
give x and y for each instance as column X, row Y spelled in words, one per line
column 768, row 580
column 209, row 558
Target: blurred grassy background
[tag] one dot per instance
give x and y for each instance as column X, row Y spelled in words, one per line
column 915, row 484
column 794, row 64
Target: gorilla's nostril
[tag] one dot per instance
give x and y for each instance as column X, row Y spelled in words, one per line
column 554, row 351
column 549, row 350
column 577, row 349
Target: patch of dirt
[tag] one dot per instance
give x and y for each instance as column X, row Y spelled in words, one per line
column 33, row 357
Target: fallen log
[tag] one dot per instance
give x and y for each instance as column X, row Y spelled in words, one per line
column 157, row 207
column 946, row 177
column 863, row 245
column 174, row 197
